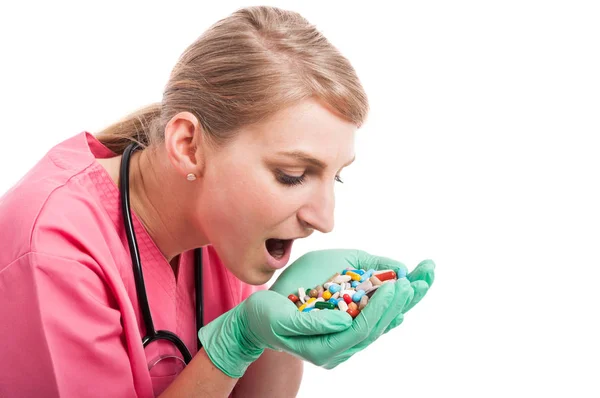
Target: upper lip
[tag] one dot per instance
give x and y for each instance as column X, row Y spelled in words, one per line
column 297, row 237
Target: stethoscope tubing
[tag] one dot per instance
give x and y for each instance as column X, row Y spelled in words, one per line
column 151, row 333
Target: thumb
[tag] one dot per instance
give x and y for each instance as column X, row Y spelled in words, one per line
column 312, row 323
column 425, row 271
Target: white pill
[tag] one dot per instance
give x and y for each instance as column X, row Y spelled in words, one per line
column 365, row 285
column 301, row 294
column 342, row 278
column 336, row 295
column 342, row 305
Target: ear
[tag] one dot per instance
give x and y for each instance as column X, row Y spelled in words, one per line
column 183, row 142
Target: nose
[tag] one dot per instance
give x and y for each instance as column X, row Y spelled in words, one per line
column 317, row 212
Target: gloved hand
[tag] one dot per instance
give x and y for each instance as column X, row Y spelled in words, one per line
column 268, row 319
column 316, row 267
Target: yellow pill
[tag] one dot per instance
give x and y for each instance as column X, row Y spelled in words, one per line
column 327, row 295
column 303, row 306
column 310, row 300
column 355, row 277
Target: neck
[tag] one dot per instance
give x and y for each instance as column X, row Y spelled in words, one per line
column 152, row 188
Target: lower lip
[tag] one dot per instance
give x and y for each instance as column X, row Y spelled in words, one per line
column 282, row 262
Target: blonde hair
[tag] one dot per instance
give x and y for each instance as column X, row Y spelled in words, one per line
column 242, row 70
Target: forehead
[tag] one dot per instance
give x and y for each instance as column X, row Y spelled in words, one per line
column 307, row 126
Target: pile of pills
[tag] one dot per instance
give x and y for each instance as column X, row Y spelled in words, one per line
column 349, row 291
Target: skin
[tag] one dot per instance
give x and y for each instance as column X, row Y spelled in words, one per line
column 236, row 203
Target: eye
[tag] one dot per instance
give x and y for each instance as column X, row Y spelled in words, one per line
column 289, row 180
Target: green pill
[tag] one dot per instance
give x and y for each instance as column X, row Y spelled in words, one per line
column 322, row 305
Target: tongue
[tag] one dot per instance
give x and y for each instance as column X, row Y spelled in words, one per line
column 275, row 247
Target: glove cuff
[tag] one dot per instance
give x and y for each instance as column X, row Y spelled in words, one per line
column 227, row 342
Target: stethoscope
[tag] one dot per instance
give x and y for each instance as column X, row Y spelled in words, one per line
column 151, row 333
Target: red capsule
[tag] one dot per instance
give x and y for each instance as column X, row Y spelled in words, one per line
column 384, row 276
column 293, row 297
column 353, row 313
column 347, row 298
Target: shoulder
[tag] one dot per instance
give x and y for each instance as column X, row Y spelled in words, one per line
column 52, row 209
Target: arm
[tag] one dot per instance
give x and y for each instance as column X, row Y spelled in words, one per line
column 61, row 335
column 258, row 381
column 202, row 379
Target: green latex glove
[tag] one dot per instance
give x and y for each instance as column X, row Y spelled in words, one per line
column 268, row 319
column 314, row 268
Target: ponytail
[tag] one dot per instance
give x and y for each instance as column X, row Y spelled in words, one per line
column 140, row 126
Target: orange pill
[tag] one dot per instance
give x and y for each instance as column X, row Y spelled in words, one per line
column 353, row 306
column 353, row 312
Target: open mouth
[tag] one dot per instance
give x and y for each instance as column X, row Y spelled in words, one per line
column 278, row 251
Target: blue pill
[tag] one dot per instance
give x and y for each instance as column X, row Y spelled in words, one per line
column 308, row 309
column 334, row 301
column 334, row 288
column 344, row 272
column 358, row 295
column 354, row 283
column 369, row 273
column 359, row 271
column 401, row 273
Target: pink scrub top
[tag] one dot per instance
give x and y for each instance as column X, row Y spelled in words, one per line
column 69, row 318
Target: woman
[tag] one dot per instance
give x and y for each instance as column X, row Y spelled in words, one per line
column 239, row 159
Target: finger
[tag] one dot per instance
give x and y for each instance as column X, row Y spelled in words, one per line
column 336, row 343
column 420, row 289
column 425, row 271
column 368, row 261
column 403, row 295
column 395, row 323
column 312, row 323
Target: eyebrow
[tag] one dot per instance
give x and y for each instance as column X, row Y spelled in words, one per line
column 306, row 158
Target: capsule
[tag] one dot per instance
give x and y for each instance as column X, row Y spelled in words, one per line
column 334, row 288
column 347, row 298
column 342, row 305
column 358, row 295
column 294, row 298
column 386, row 275
column 353, row 276
column 320, row 291
column 353, row 312
column 325, row 305
column 352, row 306
column 313, row 293
column 363, row 302
column 326, row 294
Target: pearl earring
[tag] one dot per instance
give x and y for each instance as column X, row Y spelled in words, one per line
column 191, row 177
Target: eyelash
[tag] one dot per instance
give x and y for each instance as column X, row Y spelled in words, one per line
column 292, row 180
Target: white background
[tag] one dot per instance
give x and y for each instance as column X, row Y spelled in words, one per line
column 481, row 152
